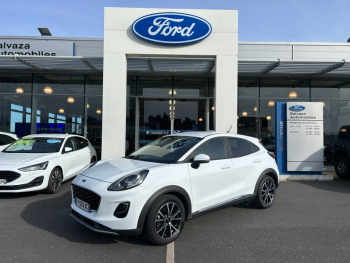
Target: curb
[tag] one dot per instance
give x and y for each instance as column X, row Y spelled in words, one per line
column 306, row 177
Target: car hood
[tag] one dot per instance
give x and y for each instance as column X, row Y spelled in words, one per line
column 24, row 158
column 113, row 169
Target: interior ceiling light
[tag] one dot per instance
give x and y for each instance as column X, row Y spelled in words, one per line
column 48, row 90
column 271, row 103
column 98, row 111
column 174, row 102
column 255, row 108
column 268, row 117
column 200, row 119
column 19, row 90
column 237, row 117
column 88, row 105
column 70, row 100
column 244, row 113
column 213, row 108
column 61, row 110
column 293, row 95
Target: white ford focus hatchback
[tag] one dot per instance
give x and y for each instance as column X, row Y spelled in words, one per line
column 43, row 162
column 173, row 179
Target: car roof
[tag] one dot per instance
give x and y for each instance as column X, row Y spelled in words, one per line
column 9, row 134
column 53, row 135
column 202, row 134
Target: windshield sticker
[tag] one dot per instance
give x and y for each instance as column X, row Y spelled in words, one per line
column 53, row 141
column 22, row 145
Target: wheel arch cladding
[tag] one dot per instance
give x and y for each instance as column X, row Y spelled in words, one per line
column 173, row 190
column 342, row 153
column 267, row 172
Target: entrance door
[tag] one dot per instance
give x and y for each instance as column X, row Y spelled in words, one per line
column 154, row 119
column 189, row 115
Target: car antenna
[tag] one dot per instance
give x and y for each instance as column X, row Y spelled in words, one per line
column 229, row 129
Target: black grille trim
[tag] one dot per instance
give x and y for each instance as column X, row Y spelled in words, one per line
column 87, row 196
column 36, row 182
column 10, row 176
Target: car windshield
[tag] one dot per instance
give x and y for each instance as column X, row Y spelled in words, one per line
column 35, row 145
column 165, row 150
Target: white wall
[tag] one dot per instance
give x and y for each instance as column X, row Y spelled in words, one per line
column 120, row 41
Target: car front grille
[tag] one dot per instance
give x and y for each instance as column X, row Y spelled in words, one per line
column 10, row 176
column 86, row 196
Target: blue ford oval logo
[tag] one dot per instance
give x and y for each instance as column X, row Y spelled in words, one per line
column 83, row 180
column 297, row 108
column 171, row 28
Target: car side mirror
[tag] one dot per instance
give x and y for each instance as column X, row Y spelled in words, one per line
column 67, row 149
column 200, row 158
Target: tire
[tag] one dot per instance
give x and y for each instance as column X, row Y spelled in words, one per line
column 93, row 160
column 342, row 167
column 266, row 193
column 166, row 229
column 55, row 181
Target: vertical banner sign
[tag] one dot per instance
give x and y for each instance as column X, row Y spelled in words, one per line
column 280, row 137
column 304, row 136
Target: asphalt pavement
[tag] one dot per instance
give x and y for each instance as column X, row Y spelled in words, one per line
column 309, row 222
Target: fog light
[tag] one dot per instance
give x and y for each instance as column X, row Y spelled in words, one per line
column 122, row 210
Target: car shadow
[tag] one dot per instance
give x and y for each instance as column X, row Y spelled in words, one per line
column 53, row 215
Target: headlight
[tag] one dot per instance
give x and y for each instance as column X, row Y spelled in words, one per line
column 129, row 181
column 35, row 167
column 87, row 167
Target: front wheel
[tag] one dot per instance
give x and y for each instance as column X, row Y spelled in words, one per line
column 165, row 220
column 342, row 167
column 266, row 193
column 55, row 181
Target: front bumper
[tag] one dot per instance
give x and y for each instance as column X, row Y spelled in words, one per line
column 28, row 181
column 102, row 220
column 101, row 228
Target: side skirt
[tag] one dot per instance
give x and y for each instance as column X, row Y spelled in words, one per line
column 222, row 205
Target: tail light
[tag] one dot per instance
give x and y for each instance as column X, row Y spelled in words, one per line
column 272, row 154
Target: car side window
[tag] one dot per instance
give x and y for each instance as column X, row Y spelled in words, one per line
column 255, row 148
column 214, row 148
column 71, row 143
column 80, row 142
column 239, row 147
column 4, row 139
column 86, row 142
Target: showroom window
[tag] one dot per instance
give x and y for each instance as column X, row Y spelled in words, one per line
column 257, row 98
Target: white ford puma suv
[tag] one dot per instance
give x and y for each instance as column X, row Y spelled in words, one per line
column 172, row 179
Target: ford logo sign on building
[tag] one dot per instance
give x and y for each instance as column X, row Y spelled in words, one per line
column 171, row 28
column 297, row 108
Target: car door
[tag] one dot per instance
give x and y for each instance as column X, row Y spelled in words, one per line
column 71, row 159
column 248, row 164
column 212, row 183
column 83, row 151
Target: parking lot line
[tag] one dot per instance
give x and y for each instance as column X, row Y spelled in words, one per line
column 170, row 256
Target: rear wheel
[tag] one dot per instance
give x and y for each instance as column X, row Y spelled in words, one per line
column 55, row 181
column 266, row 193
column 165, row 220
column 342, row 167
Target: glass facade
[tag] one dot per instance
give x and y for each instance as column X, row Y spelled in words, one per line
column 157, row 106
column 52, row 103
column 257, row 98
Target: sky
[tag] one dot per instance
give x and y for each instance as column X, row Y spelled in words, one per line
column 259, row 20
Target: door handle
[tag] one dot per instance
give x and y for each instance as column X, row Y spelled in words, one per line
column 226, row 167
column 257, row 161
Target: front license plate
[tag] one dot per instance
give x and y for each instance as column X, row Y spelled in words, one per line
column 3, row 181
column 82, row 205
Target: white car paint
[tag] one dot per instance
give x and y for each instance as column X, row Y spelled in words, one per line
column 213, row 183
column 11, row 135
column 71, row 163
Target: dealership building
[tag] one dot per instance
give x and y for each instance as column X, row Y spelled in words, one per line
column 128, row 89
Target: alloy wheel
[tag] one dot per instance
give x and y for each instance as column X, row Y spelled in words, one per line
column 268, row 192
column 56, row 180
column 168, row 220
column 341, row 167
